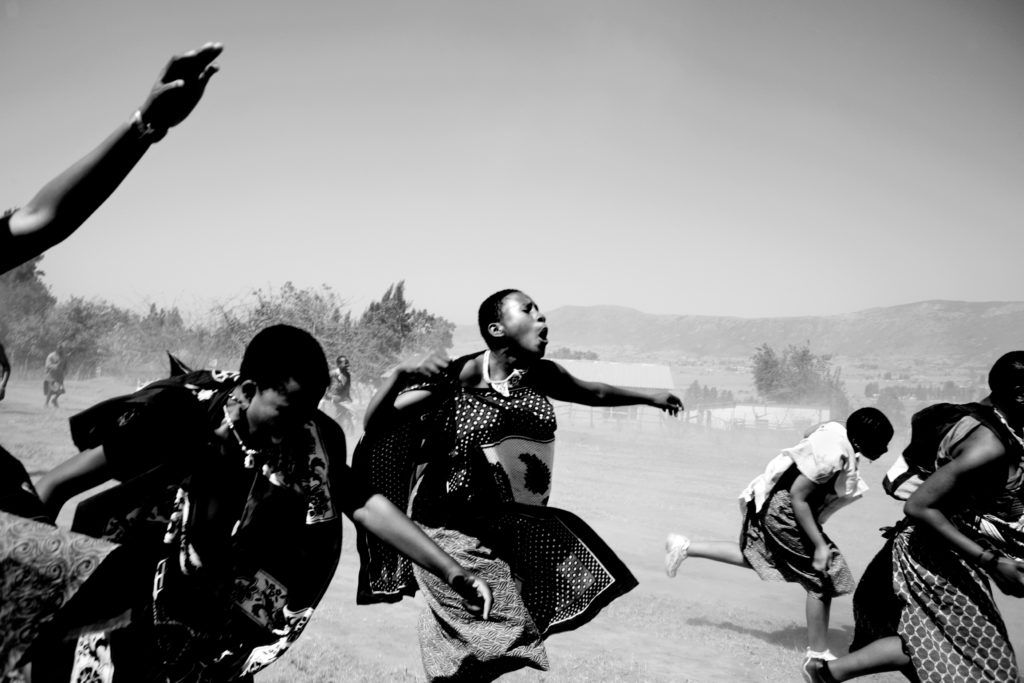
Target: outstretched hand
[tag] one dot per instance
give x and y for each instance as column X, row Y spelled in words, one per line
column 475, row 593
column 668, row 402
column 180, row 86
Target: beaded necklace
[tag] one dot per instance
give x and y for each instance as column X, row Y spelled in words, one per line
column 502, row 386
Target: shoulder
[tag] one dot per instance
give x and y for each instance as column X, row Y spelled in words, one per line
column 549, row 369
column 981, row 445
column 469, row 369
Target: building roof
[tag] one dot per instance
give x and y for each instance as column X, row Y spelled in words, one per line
column 632, row 375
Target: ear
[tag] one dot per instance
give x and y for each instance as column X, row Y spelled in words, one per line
column 496, row 329
column 249, row 389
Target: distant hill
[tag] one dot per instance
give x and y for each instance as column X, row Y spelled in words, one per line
column 965, row 332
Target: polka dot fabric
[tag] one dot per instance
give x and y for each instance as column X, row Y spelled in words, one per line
column 464, row 479
column 949, row 622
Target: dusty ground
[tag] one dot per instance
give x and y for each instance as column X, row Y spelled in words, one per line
column 711, row 623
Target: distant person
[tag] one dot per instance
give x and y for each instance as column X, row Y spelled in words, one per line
column 231, row 491
column 339, row 394
column 478, row 433
column 63, row 204
column 51, row 566
column 5, row 372
column 54, row 371
column 782, row 538
column 341, row 381
column 962, row 476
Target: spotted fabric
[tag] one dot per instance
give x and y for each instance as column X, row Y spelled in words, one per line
column 778, row 550
column 481, row 466
column 950, row 624
column 939, row 604
column 477, row 423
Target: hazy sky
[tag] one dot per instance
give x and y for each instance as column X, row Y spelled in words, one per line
column 717, row 157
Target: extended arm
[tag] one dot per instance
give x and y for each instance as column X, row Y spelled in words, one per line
column 979, row 464
column 799, row 492
column 73, row 476
column 561, row 385
column 65, row 202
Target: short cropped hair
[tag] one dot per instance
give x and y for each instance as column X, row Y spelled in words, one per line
column 281, row 352
column 1006, row 378
column 871, row 427
column 490, row 312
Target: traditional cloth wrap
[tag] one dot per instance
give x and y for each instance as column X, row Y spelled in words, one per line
column 939, row 603
column 217, row 611
column 475, row 472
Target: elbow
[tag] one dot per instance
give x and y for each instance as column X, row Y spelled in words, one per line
column 31, row 219
column 914, row 510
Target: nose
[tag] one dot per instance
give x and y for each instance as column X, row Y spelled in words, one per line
column 541, row 318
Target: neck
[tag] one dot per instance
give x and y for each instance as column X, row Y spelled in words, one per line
column 503, row 362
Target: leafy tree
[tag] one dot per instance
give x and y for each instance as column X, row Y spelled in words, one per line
column 25, row 302
column 799, row 376
column 391, row 329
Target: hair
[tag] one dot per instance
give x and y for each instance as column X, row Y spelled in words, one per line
column 1006, row 378
column 281, row 352
column 871, row 426
column 490, row 312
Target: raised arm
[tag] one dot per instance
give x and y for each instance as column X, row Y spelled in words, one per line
column 5, row 372
column 389, row 401
column 979, row 464
column 559, row 384
column 65, row 202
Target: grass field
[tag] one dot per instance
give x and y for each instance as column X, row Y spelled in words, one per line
column 711, row 623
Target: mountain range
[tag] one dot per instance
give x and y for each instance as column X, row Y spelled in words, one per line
column 957, row 331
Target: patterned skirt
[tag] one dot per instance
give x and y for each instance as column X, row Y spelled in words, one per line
column 41, row 569
column 950, row 625
column 456, row 645
column 776, row 547
column 551, row 573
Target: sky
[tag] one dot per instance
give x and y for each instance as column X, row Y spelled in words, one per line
column 752, row 159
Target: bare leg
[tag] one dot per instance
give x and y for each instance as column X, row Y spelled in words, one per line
column 885, row 654
column 817, row 622
column 720, row 551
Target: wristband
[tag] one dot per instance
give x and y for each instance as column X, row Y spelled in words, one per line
column 145, row 131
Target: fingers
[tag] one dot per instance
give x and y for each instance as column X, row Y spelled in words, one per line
column 192, row 64
column 484, row 591
column 475, row 592
column 207, row 74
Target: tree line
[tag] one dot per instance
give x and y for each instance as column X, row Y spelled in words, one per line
column 100, row 337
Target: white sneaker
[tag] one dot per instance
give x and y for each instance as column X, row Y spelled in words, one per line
column 677, row 549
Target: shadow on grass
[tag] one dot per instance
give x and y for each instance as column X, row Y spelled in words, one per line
column 794, row 637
